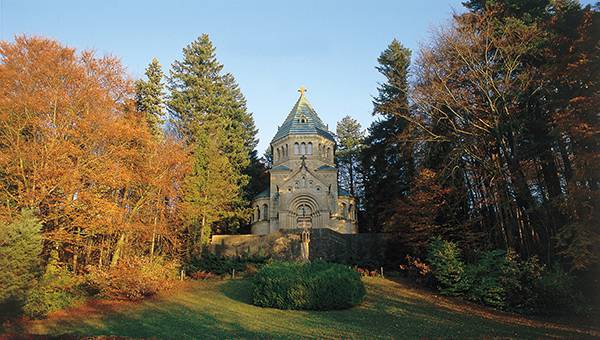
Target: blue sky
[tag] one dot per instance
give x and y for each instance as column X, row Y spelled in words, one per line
column 271, row 47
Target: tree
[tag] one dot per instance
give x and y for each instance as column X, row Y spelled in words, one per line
column 203, row 96
column 350, row 139
column 74, row 150
column 211, row 191
column 20, row 249
column 149, row 97
column 387, row 165
column 258, row 172
column 491, row 95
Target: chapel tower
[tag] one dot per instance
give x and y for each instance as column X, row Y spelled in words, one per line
column 303, row 190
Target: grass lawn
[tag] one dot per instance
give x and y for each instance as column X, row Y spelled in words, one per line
column 218, row 309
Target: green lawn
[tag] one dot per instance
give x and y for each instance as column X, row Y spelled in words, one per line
column 218, row 309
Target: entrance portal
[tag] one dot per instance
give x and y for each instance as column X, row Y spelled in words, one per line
column 304, row 216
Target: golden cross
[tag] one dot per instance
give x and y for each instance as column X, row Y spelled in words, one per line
column 302, row 89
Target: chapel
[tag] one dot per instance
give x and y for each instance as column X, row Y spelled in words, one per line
column 303, row 189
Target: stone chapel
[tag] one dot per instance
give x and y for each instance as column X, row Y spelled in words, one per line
column 303, row 191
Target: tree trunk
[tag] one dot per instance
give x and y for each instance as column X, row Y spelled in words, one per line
column 118, row 250
column 152, row 245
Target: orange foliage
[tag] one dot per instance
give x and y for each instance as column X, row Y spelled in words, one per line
column 73, row 148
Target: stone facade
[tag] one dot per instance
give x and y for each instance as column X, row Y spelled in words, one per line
column 303, row 190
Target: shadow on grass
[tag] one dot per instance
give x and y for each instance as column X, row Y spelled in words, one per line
column 238, row 290
column 156, row 319
column 223, row 309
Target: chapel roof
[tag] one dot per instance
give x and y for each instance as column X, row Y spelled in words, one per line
column 264, row 193
column 280, row 167
column 326, row 167
column 303, row 120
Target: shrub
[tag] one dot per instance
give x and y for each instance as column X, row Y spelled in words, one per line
column 485, row 281
column 521, row 281
column 57, row 289
column 202, row 275
column 368, row 273
column 209, row 262
column 501, row 279
column 250, row 269
column 555, row 292
column 417, row 270
column 20, row 248
column 446, row 266
column 315, row 286
column 133, row 278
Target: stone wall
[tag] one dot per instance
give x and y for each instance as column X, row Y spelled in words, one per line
column 279, row 245
column 325, row 244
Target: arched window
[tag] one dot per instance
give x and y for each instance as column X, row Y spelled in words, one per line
column 343, row 210
column 278, row 155
column 351, row 211
column 296, row 148
column 257, row 213
column 302, row 148
column 309, row 148
column 265, row 213
column 328, row 153
column 286, row 151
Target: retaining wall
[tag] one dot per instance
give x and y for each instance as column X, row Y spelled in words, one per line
column 325, row 244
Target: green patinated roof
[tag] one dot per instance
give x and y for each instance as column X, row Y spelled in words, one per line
column 280, row 167
column 326, row 167
column 264, row 193
column 302, row 120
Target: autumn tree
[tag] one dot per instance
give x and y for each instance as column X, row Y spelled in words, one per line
column 74, row 150
column 491, row 92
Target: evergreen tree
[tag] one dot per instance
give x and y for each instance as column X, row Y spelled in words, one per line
column 203, row 96
column 150, row 97
column 386, row 161
column 350, row 139
column 20, row 250
column 258, row 172
column 211, row 192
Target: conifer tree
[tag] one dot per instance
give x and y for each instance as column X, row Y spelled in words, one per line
column 350, row 139
column 150, row 97
column 20, row 249
column 387, row 165
column 211, row 191
column 203, row 96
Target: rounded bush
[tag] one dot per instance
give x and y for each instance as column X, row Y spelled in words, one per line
column 314, row 286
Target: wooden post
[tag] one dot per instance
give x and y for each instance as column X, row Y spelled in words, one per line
column 382, row 272
column 233, row 273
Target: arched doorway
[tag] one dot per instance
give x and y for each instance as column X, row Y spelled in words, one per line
column 304, row 216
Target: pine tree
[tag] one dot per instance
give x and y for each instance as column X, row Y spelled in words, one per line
column 150, row 97
column 386, row 161
column 350, row 139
